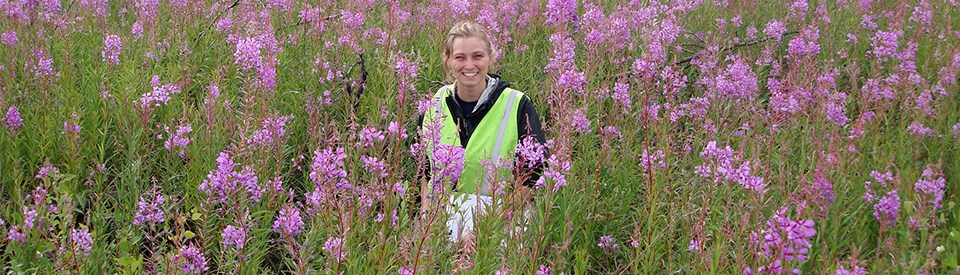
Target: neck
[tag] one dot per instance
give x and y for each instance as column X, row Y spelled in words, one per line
column 471, row 94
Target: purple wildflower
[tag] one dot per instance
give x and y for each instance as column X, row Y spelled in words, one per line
column 405, row 271
column 572, row 81
column 606, row 243
column 98, row 6
column 931, row 185
column 334, row 248
column 611, row 131
column 15, row 235
column 248, row 53
column 561, row 12
column 835, row 109
column 234, row 237
column 191, row 260
column 137, row 29
column 159, row 94
column 580, row 121
column 563, row 53
column 147, row 10
column 694, row 245
column 856, row 270
column 407, row 71
column 784, row 239
column 720, row 165
column 271, row 132
column 374, row 166
column 267, row 75
column 737, row 82
column 805, row 44
column 327, row 168
column 13, row 120
column 887, row 209
column 621, row 92
column 447, row 164
column 149, row 213
column 223, row 182
column 45, row 171
column 111, row 49
column 368, row 136
column 29, row 218
column 530, row 152
column 919, row 130
column 394, row 129
column 544, row 270
column 42, row 64
column 289, row 222
column 178, row 139
column 81, row 240
column 884, row 44
column 775, row 29
column 556, row 171
column 9, row 38
column 654, row 160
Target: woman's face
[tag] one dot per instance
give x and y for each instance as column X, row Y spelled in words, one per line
column 469, row 62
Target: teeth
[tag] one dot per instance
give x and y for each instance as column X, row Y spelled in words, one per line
column 469, row 74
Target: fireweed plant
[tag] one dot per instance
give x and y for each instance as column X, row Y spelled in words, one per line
column 279, row 136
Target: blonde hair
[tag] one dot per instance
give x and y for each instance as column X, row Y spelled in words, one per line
column 466, row 29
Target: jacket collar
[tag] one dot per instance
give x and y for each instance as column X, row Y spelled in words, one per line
column 495, row 87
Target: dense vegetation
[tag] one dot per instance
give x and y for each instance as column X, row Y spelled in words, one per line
column 279, row 136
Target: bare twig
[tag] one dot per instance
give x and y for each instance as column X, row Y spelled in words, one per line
column 734, row 47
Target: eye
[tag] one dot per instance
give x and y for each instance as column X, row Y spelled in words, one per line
column 458, row 57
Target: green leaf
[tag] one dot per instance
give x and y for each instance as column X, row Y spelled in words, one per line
column 188, row 234
column 950, row 261
column 130, row 262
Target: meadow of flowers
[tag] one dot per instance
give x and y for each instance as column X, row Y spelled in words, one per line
column 279, row 136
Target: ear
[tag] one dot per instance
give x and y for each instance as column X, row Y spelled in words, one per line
column 446, row 68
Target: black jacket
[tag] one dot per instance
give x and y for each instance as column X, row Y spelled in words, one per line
column 528, row 121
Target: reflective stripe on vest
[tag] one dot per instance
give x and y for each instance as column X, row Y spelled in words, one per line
column 483, row 147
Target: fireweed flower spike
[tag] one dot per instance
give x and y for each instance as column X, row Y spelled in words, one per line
column 111, row 49
column 334, row 247
column 149, row 213
column 13, row 120
column 234, row 237
column 82, row 241
column 178, row 138
column 289, row 222
column 9, row 38
column 191, row 260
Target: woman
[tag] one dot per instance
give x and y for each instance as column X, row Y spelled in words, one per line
column 488, row 119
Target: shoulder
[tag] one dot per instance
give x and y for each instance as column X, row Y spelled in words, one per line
column 443, row 91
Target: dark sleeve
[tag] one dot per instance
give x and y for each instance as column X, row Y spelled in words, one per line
column 423, row 171
column 528, row 124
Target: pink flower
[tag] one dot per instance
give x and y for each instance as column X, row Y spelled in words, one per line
column 606, row 243
column 191, row 260
column 887, row 209
column 13, row 120
column 81, row 240
column 111, row 49
column 334, row 247
column 9, row 38
column 235, row 237
column 580, row 121
column 561, row 12
column 289, row 222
